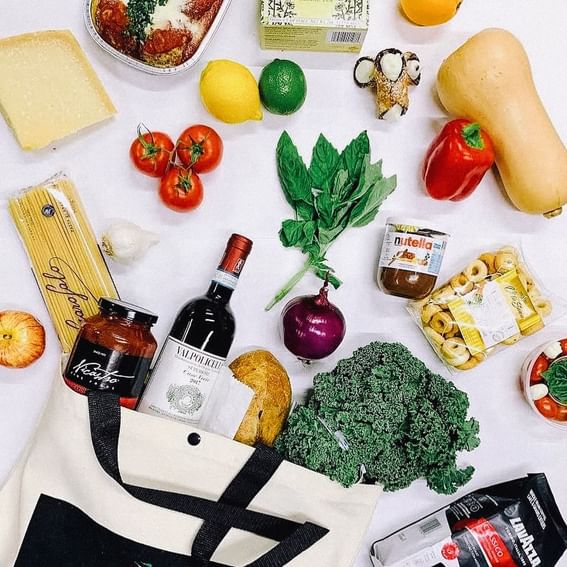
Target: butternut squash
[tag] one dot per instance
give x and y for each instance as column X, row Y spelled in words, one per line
column 489, row 80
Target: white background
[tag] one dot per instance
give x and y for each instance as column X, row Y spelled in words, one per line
column 243, row 195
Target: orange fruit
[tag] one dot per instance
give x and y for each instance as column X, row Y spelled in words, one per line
column 430, row 12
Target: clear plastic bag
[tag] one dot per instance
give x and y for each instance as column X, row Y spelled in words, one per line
column 491, row 304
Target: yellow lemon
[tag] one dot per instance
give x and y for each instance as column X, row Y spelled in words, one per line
column 229, row 92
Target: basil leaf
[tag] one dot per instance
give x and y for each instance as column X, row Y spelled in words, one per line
column 327, row 235
column 341, row 181
column 293, row 174
column 325, row 208
column 353, row 155
column 292, row 233
column 313, row 249
column 309, row 229
column 324, row 163
column 556, row 379
column 371, row 173
column 304, row 211
column 323, row 271
column 366, row 209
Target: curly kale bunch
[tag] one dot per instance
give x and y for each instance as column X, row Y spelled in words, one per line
column 391, row 414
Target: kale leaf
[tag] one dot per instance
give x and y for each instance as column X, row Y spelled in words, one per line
column 399, row 420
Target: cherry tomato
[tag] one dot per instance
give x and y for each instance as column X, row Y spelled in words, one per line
column 548, row 407
column 151, row 152
column 563, row 344
column 181, row 189
column 200, row 147
column 540, row 365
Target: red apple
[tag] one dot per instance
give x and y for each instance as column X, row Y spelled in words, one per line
column 22, row 339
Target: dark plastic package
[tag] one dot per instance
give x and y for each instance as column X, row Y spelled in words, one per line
column 513, row 524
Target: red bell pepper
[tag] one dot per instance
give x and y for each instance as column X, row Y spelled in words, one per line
column 457, row 160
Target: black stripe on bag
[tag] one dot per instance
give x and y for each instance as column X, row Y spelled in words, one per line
column 254, row 475
column 219, row 517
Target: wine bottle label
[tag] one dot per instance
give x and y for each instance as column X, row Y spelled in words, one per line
column 94, row 367
column 225, row 279
column 181, row 382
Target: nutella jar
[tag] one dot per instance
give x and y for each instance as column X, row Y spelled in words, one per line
column 113, row 351
column 411, row 257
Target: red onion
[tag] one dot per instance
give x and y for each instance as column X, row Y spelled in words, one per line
column 312, row 327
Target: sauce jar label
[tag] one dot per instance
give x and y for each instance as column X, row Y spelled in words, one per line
column 95, row 367
column 412, row 252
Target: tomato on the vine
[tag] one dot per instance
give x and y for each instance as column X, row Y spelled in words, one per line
column 540, row 365
column 200, row 147
column 548, row 407
column 151, row 152
column 181, row 189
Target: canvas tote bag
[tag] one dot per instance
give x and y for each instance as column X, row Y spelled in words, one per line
column 102, row 486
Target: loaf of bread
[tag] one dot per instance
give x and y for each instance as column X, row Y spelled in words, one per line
column 270, row 406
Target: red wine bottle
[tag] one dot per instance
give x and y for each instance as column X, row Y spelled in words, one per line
column 197, row 345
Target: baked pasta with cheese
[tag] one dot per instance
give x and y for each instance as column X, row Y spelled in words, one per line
column 161, row 33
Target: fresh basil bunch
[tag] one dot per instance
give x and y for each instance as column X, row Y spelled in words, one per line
column 338, row 190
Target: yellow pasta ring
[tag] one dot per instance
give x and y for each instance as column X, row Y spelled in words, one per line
column 433, row 336
column 442, row 322
column 476, row 271
column 543, row 306
column 461, row 284
column 512, row 340
column 488, row 259
column 504, row 262
column 428, row 311
column 455, row 351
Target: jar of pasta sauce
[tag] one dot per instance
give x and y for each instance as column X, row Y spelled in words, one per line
column 113, row 351
column 411, row 257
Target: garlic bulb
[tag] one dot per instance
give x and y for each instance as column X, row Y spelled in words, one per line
column 125, row 241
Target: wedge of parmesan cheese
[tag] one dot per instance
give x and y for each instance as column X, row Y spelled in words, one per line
column 48, row 89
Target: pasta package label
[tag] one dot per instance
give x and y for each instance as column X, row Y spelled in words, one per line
column 66, row 261
column 494, row 312
column 489, row 305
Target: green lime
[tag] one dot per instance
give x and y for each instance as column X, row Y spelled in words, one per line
column 282, row 87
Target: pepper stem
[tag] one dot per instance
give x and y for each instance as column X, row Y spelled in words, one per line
column 473, row 137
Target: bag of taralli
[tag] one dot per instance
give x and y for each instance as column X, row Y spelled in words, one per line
column 491, row 304
column 104, row 486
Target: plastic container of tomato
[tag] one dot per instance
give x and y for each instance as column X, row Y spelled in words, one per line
column 127, row 50
column 544, row 382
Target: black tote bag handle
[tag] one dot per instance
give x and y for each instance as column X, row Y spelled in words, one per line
column 230, row 511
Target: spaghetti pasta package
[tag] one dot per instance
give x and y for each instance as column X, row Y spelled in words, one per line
column 66, row 260
column 492, row 303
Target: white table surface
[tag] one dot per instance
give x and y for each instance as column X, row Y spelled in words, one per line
column 243, row 195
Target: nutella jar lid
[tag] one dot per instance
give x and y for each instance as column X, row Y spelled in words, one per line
column 419, row 223
column 127, row 310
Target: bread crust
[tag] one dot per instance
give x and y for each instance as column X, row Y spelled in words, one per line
column 269, row 408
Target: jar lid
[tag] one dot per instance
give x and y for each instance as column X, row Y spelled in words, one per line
column 127, row 310
column 422, row 224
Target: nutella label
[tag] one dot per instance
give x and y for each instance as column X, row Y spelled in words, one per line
column 181, row 382
column 412, row 252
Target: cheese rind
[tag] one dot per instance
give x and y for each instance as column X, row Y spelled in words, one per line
column 48, row 88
